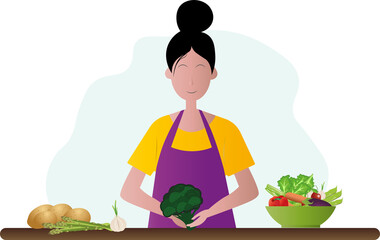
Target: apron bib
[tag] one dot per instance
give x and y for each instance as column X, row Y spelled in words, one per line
column 202, row 169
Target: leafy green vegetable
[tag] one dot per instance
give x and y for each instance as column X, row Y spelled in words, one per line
column 300, row 185
column 302, row 189
column 284, row 184
column 308, row 180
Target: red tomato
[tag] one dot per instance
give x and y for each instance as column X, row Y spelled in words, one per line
column 316, row 195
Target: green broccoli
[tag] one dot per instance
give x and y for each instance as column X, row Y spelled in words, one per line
column 182, row 201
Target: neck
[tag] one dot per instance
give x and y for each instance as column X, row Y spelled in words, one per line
column 191, row 106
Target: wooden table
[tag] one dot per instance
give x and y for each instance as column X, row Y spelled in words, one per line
column 200, row 233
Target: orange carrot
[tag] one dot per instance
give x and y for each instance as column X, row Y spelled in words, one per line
column 289, row 204
column 295, row 197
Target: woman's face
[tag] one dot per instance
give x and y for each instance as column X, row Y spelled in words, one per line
column 191, row 78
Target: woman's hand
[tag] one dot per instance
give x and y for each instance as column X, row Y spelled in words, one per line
column 201, row 217
column 178, row 222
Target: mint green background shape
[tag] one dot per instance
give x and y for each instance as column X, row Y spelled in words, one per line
column 255, row 89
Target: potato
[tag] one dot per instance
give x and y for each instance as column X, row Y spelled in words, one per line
column 36, row 211
column 79, row 214
column 60, row 210
column 44, row 217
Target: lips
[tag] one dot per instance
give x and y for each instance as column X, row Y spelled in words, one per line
column 191, row 92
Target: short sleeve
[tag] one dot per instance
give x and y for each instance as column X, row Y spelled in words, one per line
column 236, row 154
column 144, row 157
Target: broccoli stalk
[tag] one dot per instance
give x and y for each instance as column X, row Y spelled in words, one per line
column 182, row 201
column 186, row 217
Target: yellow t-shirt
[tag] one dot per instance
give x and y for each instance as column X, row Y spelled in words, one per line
column 232, row 148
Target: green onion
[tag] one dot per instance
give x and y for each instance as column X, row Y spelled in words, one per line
column 115, row 208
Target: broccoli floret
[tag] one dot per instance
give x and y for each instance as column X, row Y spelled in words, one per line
column 182, row 201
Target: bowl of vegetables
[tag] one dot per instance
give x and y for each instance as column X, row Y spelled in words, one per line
column 301, row 216
column 298, row 204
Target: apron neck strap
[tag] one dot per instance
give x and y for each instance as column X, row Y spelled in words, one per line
column 208, row 130
column 173, row 130
column 177, row 120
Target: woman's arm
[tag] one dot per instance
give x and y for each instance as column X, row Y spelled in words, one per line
column 247, row 191
column 132, row 192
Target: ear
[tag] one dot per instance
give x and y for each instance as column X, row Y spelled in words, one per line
column 214, row 74
column 168, row 74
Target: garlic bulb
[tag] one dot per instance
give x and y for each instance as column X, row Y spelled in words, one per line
column 308, row 195
column 118, row 224
column 323, row 194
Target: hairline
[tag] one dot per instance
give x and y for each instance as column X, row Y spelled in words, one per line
column 183, row 56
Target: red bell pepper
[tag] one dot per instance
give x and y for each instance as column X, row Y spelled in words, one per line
column 278, row 201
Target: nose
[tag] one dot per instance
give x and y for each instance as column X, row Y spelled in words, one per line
column 191, row 82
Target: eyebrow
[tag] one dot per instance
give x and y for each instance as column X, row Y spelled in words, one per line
column 178, row 62
column 187, row 66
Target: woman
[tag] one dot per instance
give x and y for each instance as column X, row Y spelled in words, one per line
column 192, row 146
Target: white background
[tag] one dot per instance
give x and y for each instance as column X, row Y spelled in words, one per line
column 52, row 51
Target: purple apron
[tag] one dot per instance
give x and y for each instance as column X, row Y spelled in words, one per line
column 202, row 169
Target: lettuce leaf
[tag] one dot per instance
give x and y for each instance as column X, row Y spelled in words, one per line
column 309, row 180
column 285, row 184
column 300, row 185
column 302, row 189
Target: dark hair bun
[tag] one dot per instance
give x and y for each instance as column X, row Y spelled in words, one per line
column 194, row 16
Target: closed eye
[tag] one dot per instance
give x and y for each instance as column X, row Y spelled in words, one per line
column 183, row 65
column 200, row 65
